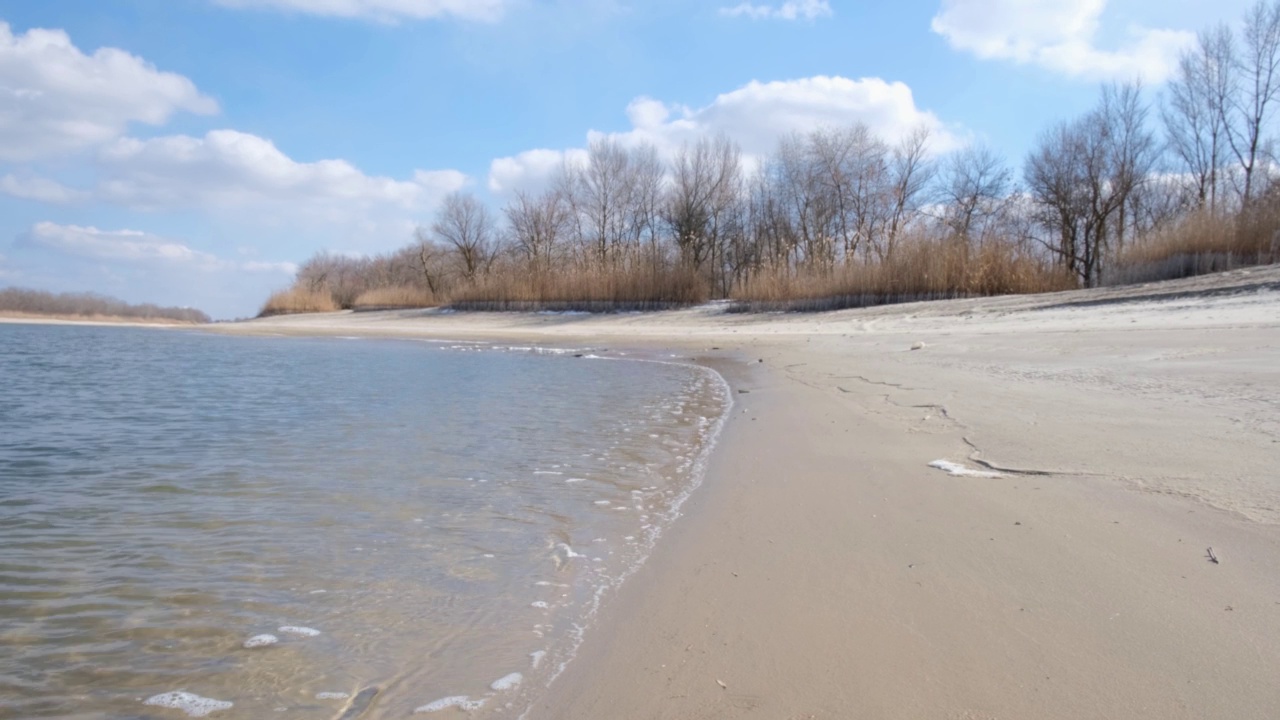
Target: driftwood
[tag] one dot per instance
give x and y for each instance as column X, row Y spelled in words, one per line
column 1213, row 558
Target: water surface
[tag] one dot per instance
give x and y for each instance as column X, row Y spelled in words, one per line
column 426, row 519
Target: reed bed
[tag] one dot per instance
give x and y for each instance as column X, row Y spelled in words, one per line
column 398, row 297
column 299, row 300
column 1200, row 243
column 922, row 270
column 584, row 288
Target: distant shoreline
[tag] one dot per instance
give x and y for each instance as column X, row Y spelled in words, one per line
column 100, row 320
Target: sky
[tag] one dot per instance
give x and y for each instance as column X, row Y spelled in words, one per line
column 193, row 152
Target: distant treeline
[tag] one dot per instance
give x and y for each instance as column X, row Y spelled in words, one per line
column 88, row 305
column 1127, row 192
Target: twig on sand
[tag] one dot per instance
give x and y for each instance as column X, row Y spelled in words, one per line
column 721, row 683
column 1213, row 558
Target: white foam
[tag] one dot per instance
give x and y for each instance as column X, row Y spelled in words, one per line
column 536, row 658
column 191, row 704
column 332, row 695
column 462, row 702
column 603, row 503
column 568, row 551
column 263, row 640
column 296, row 630
column 576, row 480
column 540, row 604
column 507, row 682
column 547, row 472
column 958, row 470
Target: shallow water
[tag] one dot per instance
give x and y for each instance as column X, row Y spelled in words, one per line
column 433, row 521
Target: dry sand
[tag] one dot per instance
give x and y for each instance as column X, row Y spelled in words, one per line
column 824, row 570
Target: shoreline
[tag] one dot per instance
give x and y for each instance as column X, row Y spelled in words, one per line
column 15, row 318
column 824, row 569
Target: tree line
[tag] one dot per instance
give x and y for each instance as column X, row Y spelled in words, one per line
column 89, row 305
column 1131, row 189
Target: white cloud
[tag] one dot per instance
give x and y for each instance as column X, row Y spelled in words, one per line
column 756, row 116
column 1059, row 35
column 124, row 245
column 142, row 267
column 790, row 10
column 39, row 189
column 230, row 169
column 384, row 10
column 55, row 99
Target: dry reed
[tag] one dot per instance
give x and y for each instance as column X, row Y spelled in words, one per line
column 925, row 269
column 1199, row 244
column 393, row 298
column 298, row 300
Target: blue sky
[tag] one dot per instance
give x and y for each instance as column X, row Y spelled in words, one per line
column 190, row 152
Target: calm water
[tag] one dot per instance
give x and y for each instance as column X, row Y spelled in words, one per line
column 434, row 521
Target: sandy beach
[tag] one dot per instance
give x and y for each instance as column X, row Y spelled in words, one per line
column 1094, row 446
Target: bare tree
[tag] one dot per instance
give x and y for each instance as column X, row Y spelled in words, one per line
column 975, row 188
column 538, row 226
column 910, row 172
column 1258, row 64
column 465, row 224
column 1083, row 175
column 706, row 187
column 1193, row 112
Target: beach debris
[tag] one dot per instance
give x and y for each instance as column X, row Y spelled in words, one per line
column 1212, row 558
column 958, row 470
column 918, row 346
column 743, row 392
column 721, row 683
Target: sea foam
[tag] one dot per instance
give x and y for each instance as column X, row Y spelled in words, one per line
column 258, row 641
column 191, row 704
column 462, row 702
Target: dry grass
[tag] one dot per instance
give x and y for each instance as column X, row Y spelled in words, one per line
column 924, row 269
column 392, row 298
column 298, row 300
column 584, row 288
column 1202, row 243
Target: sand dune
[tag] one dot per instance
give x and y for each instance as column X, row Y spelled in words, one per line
column 1095, row 444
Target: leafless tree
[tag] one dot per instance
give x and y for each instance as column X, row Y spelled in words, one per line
column 538, row 225
column 465, row 224
column 1083, row 175
column 975, row 188
column 910, row 173
column 1257, row 63
column 706, row 187
column 1193, row 112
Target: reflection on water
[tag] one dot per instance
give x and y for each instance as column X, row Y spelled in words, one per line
column 427, row 521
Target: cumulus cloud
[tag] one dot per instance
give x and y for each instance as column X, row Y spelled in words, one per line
column 55, row 99
column 125, row 245
column 756, row 116
column 384, row 10
column 230, row 169
column 790, row 10
column 1059, row 35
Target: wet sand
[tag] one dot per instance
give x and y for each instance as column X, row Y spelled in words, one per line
column 825, row 570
